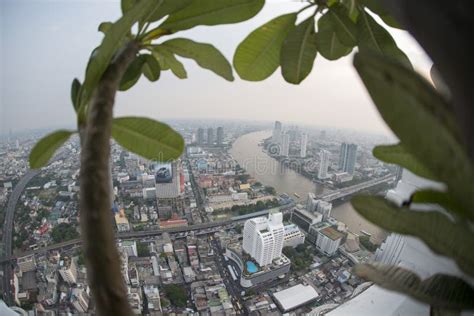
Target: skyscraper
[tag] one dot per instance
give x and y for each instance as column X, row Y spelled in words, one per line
column 304, row 143
column 200, row 136
column 276, row 135
column 324, row 164
column 347, row 157
column 210, row 136
column 263, row 238
column 285, row 145
column 220, row 135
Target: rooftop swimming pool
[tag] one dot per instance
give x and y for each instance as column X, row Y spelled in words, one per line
column 251, row 267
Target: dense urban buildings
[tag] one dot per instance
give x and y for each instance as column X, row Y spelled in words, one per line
column 204, row 233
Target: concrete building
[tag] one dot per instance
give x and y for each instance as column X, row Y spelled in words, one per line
column 323, row 164
column 68, row 270
column 149, row 193
column 322, row 207
column 305, row 219
column 263, row 238
column 27, row 263
column 210, row 136
column 200, row 136
column 285, row 145
column 80, row 300
column 293, row 236
column 347, row 157
column 121, row 221
column 295, row 297
column 220, row 136
column 129, row 247
column 328, row 241
column 304, row 144
column 276, row 135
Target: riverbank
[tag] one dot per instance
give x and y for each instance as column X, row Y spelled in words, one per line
column 250, row 156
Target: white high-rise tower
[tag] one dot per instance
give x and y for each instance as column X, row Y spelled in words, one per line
column 324, row 164
column 263, row 238
column 276, row 135
column 285, row 145
column 304, row 144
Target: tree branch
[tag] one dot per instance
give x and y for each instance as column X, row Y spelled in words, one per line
column 102, row 259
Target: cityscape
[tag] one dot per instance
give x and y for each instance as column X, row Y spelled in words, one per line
column 252, row 219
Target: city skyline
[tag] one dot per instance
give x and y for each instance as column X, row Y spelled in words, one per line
column 317, row 101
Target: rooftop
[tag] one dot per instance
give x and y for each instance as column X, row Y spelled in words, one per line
column 295, row 296
column 332, row 233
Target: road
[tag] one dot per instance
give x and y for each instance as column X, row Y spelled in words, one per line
column 8, row 233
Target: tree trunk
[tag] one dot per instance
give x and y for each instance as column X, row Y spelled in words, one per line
column 102, row 259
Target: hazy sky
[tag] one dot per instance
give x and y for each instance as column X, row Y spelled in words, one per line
column 45, row 44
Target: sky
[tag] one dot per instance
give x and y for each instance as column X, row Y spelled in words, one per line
column 46, row 43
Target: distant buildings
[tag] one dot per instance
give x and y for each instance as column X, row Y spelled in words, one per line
column 347, row 157
column 295, row 296
column 263, row 238
column 27, row 263
column 220, row 136
column 121, row 221
column 277, row 130
column 200, row 136
column 210, row 136
column 68, row 270
column 324, row 164
column 285, row 145
column 328, row 239
column 319, row 206
column 304, row 144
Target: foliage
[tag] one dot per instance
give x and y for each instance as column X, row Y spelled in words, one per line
column 176, row 294
column 342, row 25
column 64, row 232
column 143, row 250
column 301, row 257
column 270, row 190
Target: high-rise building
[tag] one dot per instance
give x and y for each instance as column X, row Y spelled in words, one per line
column 67, row 270
column 324, row 164
column 347, row 157
column 322, row 207
column 276, row 135
column 285, row 145
column 263, row 238
column 220, row 135
column 304, row 144
column 210, row 136
column 200, row 136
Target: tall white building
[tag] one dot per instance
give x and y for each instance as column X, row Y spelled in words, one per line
column 285, row 145
column 324, row 164
column 304, row 144
column 263, row 238
column 276, row 135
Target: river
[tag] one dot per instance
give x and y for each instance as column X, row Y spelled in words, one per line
column 250, row 156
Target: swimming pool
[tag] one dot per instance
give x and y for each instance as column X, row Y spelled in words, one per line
column 251, row 267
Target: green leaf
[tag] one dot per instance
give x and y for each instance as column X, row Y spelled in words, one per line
column 112, row 41
column 133, row 73
column 212, row 12
column 205, row 55
column 352, row 9
column 443, row 199
column 167, row 61
column 126, row 5
column 148, row 138
column 258, row 55
column 104, row 27
column 327, row 41
column 46, row 147
column 396, row 154
column 422, row 121
column 373, row 37
column 75, row 88
column 344, row 27
column 167, row 7
column 298, row 52
column 438, row 232
column 151, row 68
column 439, row 290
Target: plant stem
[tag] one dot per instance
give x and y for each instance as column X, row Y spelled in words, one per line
column 102, row 258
